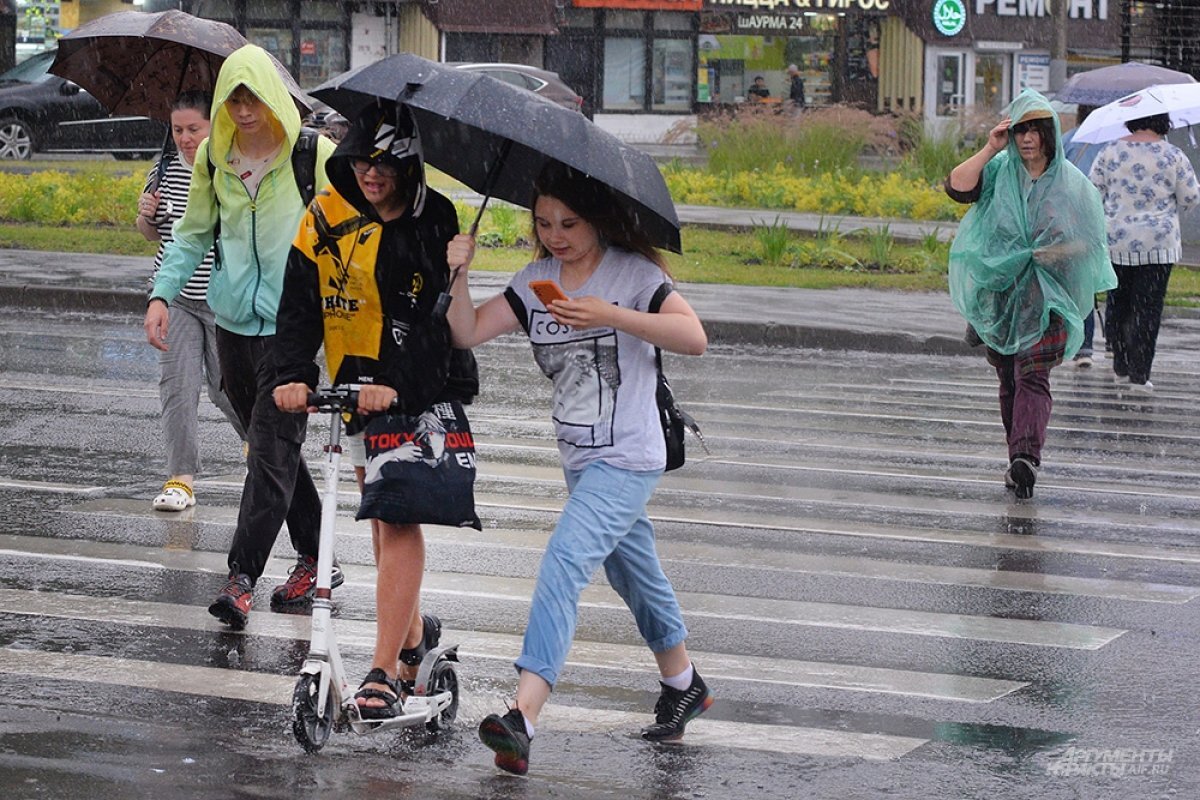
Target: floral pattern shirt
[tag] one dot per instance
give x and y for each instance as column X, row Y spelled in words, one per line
column 1145, row 186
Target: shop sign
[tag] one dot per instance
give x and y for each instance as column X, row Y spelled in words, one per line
column 949, row 17
column 644, row 5
column 1076, row 9
column 1033, row 71
column 803, row 5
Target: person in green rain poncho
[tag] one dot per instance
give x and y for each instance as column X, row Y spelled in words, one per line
column 1026, row 264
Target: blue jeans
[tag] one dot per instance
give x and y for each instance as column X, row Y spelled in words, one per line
column 1089, row 333
column 603, row 522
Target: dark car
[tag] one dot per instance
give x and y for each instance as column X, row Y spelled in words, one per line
column 539, row 81
column 43, row 113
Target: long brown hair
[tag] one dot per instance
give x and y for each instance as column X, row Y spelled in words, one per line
column 604, row 209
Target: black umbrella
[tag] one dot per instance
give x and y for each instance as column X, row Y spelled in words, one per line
column 495, row 137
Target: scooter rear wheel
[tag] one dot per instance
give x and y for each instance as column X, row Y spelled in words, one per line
column 443, row 678
column 311, row 731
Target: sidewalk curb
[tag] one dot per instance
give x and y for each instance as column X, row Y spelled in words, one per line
column 769, row 334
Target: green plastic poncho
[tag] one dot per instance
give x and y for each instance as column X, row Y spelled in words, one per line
column 1029, row 247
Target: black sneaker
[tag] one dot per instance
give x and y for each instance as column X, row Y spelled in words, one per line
column 675, row 709
column 232, row 605
column 1021, row 477
column 506, row 735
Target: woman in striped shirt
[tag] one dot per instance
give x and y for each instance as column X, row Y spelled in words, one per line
column 190, row 359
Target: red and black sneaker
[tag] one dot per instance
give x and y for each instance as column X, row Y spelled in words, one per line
column 302, row 582
column 232, row 605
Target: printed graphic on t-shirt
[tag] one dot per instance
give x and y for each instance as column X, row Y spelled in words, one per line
column 583, row 367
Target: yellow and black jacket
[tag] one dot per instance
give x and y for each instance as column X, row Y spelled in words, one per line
column 367, row 289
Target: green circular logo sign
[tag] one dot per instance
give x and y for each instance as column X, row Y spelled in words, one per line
column 949, row 16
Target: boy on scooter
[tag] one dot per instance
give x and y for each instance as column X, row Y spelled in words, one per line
column 363, row 277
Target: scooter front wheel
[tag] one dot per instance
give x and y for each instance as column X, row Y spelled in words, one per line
column 443, row 678
column 311, row 730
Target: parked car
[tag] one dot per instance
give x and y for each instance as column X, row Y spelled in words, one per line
column 43, row 113
column 539, row 81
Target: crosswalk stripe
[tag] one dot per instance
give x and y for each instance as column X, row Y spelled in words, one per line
column 798, row 613
column 777, row 561
column 277, row 690
column 51, row 488
column 584, row 655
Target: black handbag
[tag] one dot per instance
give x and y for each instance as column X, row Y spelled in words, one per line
column 675, row 421
column 420, row 469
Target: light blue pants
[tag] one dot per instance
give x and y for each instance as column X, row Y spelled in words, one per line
column 189, row 363
column 603, row 522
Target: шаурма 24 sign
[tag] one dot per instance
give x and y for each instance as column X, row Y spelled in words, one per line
column 949, row 16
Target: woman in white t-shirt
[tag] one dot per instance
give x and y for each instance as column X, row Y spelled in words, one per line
column 597, row 347
column 190, row 361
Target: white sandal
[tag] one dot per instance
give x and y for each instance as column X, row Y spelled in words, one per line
column 175, row 496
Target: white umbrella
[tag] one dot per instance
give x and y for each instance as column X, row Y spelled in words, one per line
column 1180, row 101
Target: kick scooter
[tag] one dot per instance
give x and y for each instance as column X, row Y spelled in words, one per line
column 323, row 700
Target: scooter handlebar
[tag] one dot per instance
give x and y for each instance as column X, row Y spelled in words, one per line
column 337, row 398
column 334, row 398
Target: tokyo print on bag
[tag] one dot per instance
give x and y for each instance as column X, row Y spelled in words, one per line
column 421, row 469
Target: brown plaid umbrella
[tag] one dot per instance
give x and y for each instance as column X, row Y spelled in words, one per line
column 138, row 63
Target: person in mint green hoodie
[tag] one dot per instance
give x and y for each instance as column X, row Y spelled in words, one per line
column 249, row 195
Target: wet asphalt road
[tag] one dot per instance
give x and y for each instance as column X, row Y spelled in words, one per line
column 876, row 615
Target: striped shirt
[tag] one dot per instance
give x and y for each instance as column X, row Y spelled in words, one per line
column 173, row 193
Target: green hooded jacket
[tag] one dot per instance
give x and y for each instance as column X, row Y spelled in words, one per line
column 1029, row 247
column 256, row 232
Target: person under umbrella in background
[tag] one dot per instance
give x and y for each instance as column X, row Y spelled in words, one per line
column 191, row 361
column 611, row 442
column 1145, row 182
column 373, row 248
column 1025, row 267
column 1082, row 154
column 251, row 196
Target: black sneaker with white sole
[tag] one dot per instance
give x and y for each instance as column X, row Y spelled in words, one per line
column 675, row 709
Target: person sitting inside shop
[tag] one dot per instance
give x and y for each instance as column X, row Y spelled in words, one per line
column 759, row 91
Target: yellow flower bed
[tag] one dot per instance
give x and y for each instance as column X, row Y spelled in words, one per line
column 887, row 195
column 51, row 197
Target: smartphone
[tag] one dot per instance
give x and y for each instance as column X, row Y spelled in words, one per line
column 547, row 291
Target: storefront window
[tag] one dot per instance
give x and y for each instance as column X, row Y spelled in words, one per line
column 837, row 55
column 624, row 75
column 950, row 88
column 322, row 55
column 672, row 75
column 275, row 41
column 990, row 90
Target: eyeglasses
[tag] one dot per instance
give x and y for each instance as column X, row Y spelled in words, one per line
column 1022, row 128
column 362, row 167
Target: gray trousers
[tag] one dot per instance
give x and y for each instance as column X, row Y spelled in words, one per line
column 189, row 363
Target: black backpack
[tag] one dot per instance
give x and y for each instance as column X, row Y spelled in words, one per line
column 673, row 418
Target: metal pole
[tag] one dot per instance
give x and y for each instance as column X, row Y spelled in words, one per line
column 1058, row 46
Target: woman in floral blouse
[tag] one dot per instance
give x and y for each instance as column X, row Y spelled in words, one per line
column 1145, row 182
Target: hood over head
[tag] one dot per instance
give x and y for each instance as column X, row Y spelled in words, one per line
column 384, row 133
column 1032, row 105
column 250, row 66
